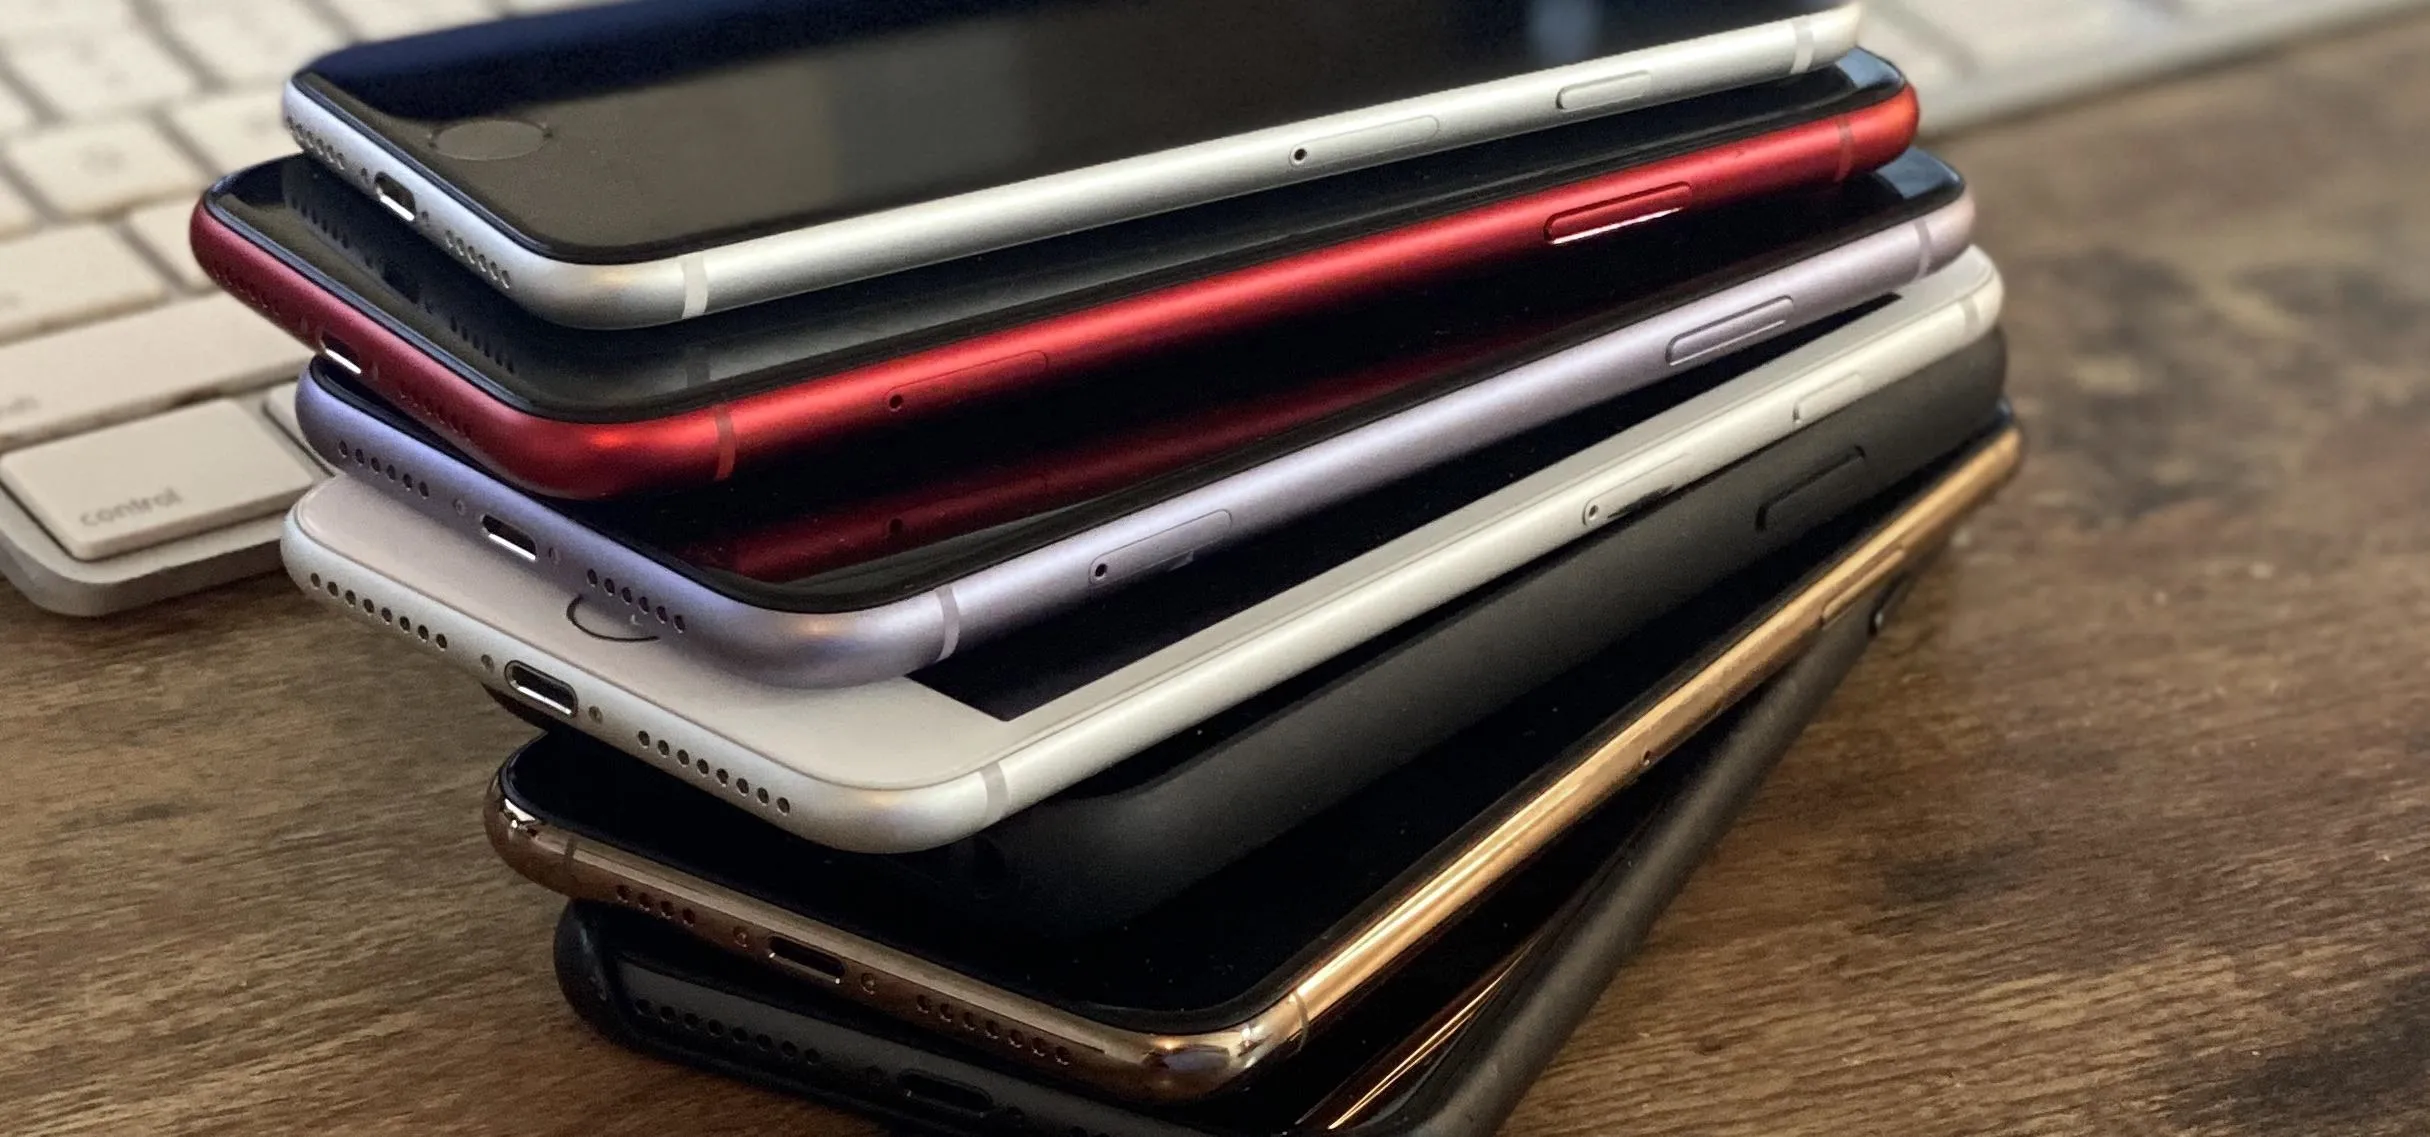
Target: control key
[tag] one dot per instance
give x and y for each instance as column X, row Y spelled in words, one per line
column 138, row 484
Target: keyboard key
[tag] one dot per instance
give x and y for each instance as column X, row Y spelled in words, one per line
column 235, row 131
column 14, row 114
column 161, row 230
column 89, row 76
column 134, row 365
column 15, row 215
column 250, row 41
column 1925, row 67
column 279, row 403
column 91, row 170
column 2005, row 35
column 28, row 19
column 141, row 483
column 388, row 19
column 61, row 276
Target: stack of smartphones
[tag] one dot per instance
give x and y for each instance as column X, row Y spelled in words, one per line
column 1123, row 566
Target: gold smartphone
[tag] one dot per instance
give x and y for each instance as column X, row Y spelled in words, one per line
column 1158, row 1065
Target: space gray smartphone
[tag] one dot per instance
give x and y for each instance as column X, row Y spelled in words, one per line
column 650, row 161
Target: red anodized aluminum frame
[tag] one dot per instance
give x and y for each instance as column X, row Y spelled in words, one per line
column 591, row 460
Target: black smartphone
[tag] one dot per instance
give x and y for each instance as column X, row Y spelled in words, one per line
column 1118, row 844
column 1444, row 1049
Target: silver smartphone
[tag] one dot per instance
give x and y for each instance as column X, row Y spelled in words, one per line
column 657, row 568
column 907, row 764
column 654, row 160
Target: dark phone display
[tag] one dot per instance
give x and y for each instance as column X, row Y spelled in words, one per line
column 1218, row 950
column 674, row 125
column 1387, row 356
column 342, row 237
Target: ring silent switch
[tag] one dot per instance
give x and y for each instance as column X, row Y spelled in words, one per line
column 1352, row 146
column 1609, row 92
column 1618, row 213
column 954, row 386
column 1170, row 549
column 1628, row 496
column 1832, row 396
column 1817, row 497
column 1721, row 335
column 1875, row 571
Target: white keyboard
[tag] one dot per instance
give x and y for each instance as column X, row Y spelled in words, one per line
column 1973, row 60
column 147, row 441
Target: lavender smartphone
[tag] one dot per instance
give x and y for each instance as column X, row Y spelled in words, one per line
column 1690, row 294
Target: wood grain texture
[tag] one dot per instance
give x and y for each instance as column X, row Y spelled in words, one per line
column 2125, row 829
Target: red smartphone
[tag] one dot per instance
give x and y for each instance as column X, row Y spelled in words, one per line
column 592, row 414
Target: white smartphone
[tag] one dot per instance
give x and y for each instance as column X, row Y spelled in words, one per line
column 654, row 160
column 902, row 765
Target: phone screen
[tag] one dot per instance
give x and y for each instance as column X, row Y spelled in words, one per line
column 1230, row 942
column 672, row 125
column 878, row 523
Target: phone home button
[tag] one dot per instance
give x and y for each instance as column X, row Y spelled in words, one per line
column 489, row 139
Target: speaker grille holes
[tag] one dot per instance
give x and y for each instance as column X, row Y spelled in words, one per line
column 663, row 748
column 488, row 664
column 641, row 604
column 721, row 777
column 594, row 710
column 1299, row 155
column 644, row 736
column 373, row 609
column 742, row 785
column 784, row 805
column 464, row 251
column 763, row 795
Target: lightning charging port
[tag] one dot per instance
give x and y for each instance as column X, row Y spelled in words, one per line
column 540, row 687
column 939, row 1092
column 509, row 538
column 806, row 959
column 337, row 351
column 397, row 198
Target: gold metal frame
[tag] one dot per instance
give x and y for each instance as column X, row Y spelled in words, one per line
column 1157, row 1067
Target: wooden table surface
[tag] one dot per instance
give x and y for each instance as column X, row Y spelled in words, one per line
column 2125, row 829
